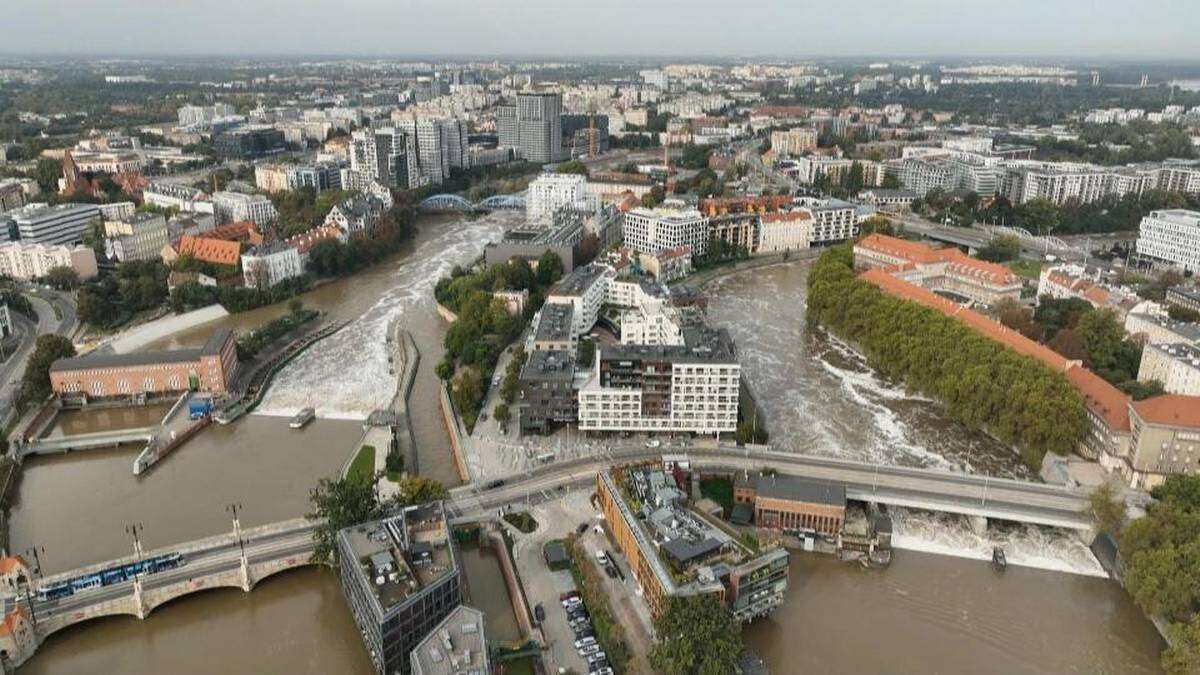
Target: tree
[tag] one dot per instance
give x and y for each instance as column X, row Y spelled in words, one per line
column 1000, row 249
column 417, row 490
column 654, row 197
column 1183, row 656
column 337, row 504
column 877, row 224
column 62, row 277
column 697, row 636
column 444, row 370
column 1108, row 511
column 1162, row 551
column 1039, row 216
column 35, row 383
column 573, row 167
column 502, row 413
column 891, row 182
column 549, row 268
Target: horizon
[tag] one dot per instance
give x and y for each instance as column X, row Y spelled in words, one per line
column 1075, row 30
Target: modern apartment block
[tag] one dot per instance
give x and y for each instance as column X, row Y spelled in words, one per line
column 182, row 197
column 456, row 646
column 61, row 224
column 400, row 577
column 661, row 229
column 533, row 125
column 1187, row 298
column 140, row 237
column 33, row 261
column 688, row 388
column 833, row 220
column 550, row 192
column 945, row 269
column 793, row 142
column 675, row 551
column 236, row 207
column 267, row 265
column 440, row 144
column 385, row 156
column 547, row 398
column 1171, row 237
column 1175, row 365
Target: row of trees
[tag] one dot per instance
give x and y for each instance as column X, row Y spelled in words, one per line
column 110, row 300
column 1043, row 217
column 982, row 384
column 485, row 327
column 1162, row 566
column 35, row 382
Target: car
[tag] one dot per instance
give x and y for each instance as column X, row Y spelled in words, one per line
column 602, row 557
column 539, row 613
column 597, row 657
column 576, row 616
column 491, row 485
column 585, row 632
column 653, row 443
column 495, row 380
column 612, row 574
column 604, row 671
column 588, row 649
column 582, row 528
column 580, row 623
column 572, row 601
column 583, row 642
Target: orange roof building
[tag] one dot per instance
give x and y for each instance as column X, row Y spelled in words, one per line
column 216, row 251
column 940, row 269
column 1145, row 441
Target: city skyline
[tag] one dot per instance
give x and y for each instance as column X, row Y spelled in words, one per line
column 1076, row 29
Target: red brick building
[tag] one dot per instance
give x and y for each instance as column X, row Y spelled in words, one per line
column 211, row 368
column 792, row 504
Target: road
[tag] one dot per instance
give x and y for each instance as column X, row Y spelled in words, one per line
column 63, row 323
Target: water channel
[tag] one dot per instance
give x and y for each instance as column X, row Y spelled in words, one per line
column 938, row 613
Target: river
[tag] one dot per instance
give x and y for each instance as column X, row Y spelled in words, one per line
column 939, row 613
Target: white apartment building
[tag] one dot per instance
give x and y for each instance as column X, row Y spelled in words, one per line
column 1159, row 329
column 204, row 114
column 1176, row 366
column 553, row 191
column 787, row 231
column 678, row 388
column 267, row 265
column 585, row 289
column 61, row 224
column 793, row 142
column 654, row 328
column 655, row 230
column 236, row 207
column 181, row 197
column 33, row 261
column 140, row 237
column 1171, row 236
column 272, row 178
column 833, row 220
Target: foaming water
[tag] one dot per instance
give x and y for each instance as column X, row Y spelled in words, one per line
column 347, row 375
column 820, row 397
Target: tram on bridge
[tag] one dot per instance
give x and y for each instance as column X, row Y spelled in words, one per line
column 110, row 576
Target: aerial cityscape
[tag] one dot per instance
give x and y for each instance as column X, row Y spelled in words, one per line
column 417, row 340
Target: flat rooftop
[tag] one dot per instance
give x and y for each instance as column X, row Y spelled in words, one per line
column 111, row 360
column 400, row 555
column 579, row 280
column 701, row 345
column 554, row 322
column 456, row 647
column 545, row 365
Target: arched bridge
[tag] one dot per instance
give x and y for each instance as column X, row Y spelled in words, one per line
column 239, row 559
column 450, row 202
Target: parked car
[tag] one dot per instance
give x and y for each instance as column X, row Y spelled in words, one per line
column 653, row 443
column 583, row 642
column 602, row 557
column 597, row 657
column 587, row 650
column 539, row 613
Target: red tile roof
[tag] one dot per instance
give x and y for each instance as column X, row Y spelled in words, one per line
column 956, row 261
column 798, row 214
column 1103, row 399
column 1170, row 409
column 216, row 251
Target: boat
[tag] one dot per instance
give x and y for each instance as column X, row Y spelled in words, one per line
column 999, row 561
column 302, row 418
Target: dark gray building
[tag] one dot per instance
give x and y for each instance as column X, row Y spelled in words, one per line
column 547, row 393
column 400, row 576
column 534, row 125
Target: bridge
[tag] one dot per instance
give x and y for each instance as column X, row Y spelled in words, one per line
column 978, row 497
column 98, row 439
column 238, row 559
column 243, row 557
column 451, row 202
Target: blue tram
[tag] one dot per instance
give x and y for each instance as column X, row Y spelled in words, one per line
column 110, row 576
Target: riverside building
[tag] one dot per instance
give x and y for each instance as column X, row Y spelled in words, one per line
column 675, row 551
column 1171, row 237
column 400, row 577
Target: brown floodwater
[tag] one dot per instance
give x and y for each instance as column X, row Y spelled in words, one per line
column 927, row 613
column 937, row 614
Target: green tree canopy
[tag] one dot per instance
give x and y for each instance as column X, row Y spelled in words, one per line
column 35, row 383
column 696, row 636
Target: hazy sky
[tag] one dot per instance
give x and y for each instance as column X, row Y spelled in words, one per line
column 1065, row 28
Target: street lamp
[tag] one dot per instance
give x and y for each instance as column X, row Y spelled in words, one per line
column 234, row 508
column 135, row 530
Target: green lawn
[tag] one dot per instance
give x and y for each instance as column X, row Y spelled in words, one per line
column 522, row 521
column 1030, row 269
column 363, row 464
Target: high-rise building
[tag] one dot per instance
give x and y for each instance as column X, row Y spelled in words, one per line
column 534, row 125
column 1171, row 236
column 400, row 576
column 139, row 237
column 440, row 144
column 383, row 155
column 553, row 191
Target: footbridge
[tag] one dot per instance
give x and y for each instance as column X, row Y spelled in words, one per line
column 456, row 203
column 238, row 559
column 978, row 497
